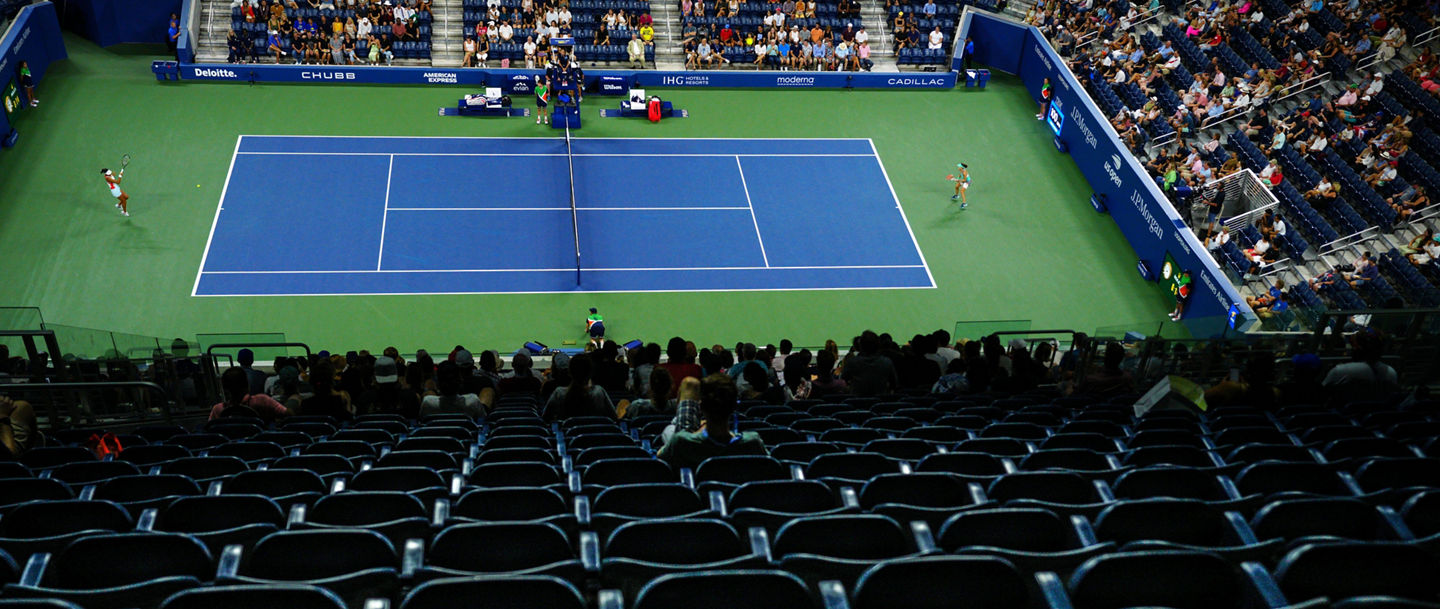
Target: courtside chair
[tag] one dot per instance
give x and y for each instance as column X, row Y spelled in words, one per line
column 117, row 571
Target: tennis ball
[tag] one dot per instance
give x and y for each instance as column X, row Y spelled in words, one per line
column 197, row 185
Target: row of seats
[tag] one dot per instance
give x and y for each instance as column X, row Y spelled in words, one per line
column 821, row 558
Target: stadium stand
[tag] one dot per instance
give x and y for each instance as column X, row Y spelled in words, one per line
column 907, row 498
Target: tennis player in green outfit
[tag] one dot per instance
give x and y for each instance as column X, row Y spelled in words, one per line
column 961, row 178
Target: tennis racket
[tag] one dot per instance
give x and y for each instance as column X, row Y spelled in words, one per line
column 124, row 161
column 950, row 177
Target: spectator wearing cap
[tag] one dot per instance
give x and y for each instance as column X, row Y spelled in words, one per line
column 474, row 380
column 717, row 399
column 388, row 391
column 557, row 376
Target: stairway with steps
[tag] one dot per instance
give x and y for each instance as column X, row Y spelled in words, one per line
column 447, row 33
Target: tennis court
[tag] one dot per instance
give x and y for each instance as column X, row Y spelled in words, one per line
column 444, row 215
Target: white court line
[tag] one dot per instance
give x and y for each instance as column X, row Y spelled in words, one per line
column 881, row 163
column 526, row 292
column 215, row 222
column 389, row 173
column 729, row 208
column 501, row 137
column 588, row 270
column 543, row 154
column 751, row 205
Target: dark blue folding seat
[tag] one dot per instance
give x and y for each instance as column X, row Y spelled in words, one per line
column 611, row 472
column 1273, row 478
column 356, row 564
column 286, row 487
column 49, row 526
column 1322, row 518
column 1339, row 571
column 1033, row 539
column 117, row 570
column 1178, row 580
column 1183, row 524
column 929, row 497
column 771, row 504
column 250, row 451
column 727, row 472
column 1062, row 492
column 639, row 552
column 138, row 493
column 752, row 589
column 289, row 596
column 204, row 469
column 397, row 515
column 948, row 582
column 626, row 503
column 514, row 504
column 849, row 469
column 45, row 457
column 83, row 473
column 152, row 454
column 509, row 548
column 839, row 547
column 496, row 591
column 221, row 520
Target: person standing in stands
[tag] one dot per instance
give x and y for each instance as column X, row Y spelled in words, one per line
column 172, row 33
column 715, row 438
column 969, row 50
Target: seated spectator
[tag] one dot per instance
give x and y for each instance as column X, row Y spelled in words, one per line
column 1428, row 253
column 522, row 377
column 1215, row 241
column 1364, row 378
column 235, row 385
column 18, row 430
column 453, row 398
column 1269, row 297
column 1365, row 271
column 868, row 372
column 953, row 382
column 657, row 400
column 1408, row 201
column 717, row 402
column 1110, row 379
column 937, row 38
column 635, row 50
column 1419, row 242
column 580, row 397
column 327, row 400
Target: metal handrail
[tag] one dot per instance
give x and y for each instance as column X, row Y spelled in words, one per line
column 51, row 405
column 1349, row 240
column 210, row 350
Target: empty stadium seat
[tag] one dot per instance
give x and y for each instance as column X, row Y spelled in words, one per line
column 120, row 570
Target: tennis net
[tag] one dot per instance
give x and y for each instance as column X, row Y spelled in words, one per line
column 574, row 213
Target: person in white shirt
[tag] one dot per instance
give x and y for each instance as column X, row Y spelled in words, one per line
column 565, row 16
column 530, row 52
column 794, row 35
column 1218, row 240
column 636, row 49
column 551, row 15
column 468, row 61
column 861, row 36
column 1377, row 83
column 362, row 28
column 760, row 51
column 937, row 39
column 506, row 32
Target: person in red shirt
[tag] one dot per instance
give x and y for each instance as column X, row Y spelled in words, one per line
column 727, row 35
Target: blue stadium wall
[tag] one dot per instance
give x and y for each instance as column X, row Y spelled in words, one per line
column 34, row 38
column 108, row 22
column 1146, row 218
column 511, row 79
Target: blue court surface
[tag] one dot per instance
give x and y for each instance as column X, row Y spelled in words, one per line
column 420, row 215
